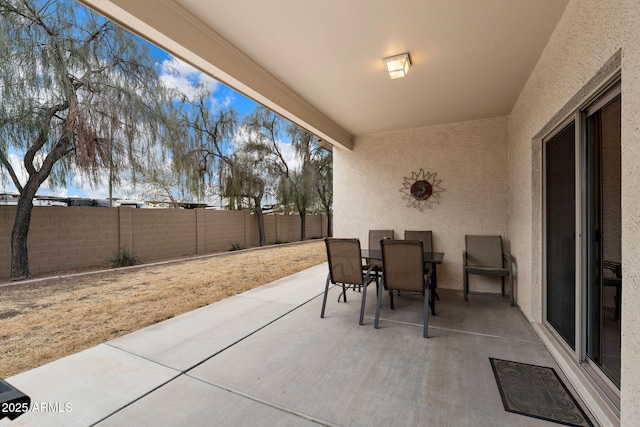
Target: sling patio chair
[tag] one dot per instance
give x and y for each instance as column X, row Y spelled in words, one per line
column 374, row 243
column 427, row 242
column 346, row 270
column 425, row 235
column 403, row 270
column 484, row 256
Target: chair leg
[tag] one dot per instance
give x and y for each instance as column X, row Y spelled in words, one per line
column 324, row 299
column 502, row 285
column 465, row 284
column 364, row 298
column 391, row 299
column 343, row 293
column 432, row 300
column 426, row 316
column 378, row 303
column 511, row 296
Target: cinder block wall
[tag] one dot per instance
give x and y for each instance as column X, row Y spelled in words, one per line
column 270, row 230
column 7, row 217
column 288, row 228
column 163, row 233
column 63, row 239
column 223, row 228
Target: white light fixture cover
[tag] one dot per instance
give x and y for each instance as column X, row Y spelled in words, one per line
column 398, row 65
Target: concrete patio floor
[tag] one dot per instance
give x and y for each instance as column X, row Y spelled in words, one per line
column 265, row 358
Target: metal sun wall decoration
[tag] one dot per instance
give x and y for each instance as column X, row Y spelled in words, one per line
column 422, row 190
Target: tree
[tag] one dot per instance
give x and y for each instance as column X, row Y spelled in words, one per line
column 243, row 180
column 324, row 185
column 161, row 185
column 207, row 154
column 267, row 128
column 78, row 93
column 302, row 184
column 296, row 186
column 205, row 144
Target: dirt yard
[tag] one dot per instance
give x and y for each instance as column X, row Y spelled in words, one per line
column 45, row 320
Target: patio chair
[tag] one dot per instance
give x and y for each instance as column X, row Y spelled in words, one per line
column 376, row 235
column 346, row 270
column 403, row 270
column 483, row 256
column 426, row 236
column 374, row 244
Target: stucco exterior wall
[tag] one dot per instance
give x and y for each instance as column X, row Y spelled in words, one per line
column 630, row 18
column 631, row 213
column 471, row 160
column 587, row 37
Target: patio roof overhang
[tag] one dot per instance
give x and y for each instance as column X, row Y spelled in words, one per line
column 320, row 64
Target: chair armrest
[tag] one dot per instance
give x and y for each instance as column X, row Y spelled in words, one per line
column 427, row 275
column 507, row 257
column 367, row 278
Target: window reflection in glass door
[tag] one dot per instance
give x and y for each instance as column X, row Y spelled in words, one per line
column 604, row 276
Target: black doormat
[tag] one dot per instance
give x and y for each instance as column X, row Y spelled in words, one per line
column 538, row 392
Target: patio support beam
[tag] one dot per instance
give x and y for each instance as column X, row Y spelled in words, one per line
column 169, row 26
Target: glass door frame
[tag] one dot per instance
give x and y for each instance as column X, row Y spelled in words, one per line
column 612, row 91
column 573, row 118
column 608, row 90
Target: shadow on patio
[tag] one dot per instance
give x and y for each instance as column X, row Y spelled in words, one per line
column 266, row 358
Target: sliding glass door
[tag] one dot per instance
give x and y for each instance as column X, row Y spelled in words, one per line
column 604, row 276
column 560, row 190
column 582, row 234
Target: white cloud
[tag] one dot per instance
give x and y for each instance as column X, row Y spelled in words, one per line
column 289, row 155
column 181, row 76
column 220, row 104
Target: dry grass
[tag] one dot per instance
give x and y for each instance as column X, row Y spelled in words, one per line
column 46, row 320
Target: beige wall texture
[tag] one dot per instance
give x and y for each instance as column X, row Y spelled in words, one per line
column 630, row 19
column 587, row 37
column 62, row 239
column 470, row 158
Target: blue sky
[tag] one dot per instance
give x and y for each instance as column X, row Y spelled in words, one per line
column 175, row 73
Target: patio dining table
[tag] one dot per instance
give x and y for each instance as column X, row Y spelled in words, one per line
column 434, row 258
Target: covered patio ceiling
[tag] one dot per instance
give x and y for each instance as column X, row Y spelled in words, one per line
column 320, row 63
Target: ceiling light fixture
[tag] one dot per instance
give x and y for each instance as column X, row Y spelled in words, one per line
column 398, row 65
